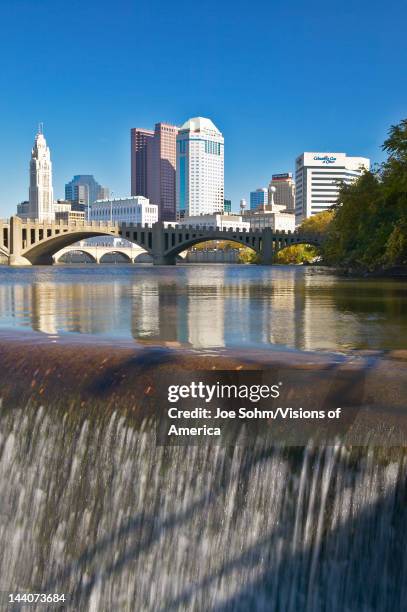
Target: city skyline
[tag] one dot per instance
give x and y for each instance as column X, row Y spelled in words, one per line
column 357, row 95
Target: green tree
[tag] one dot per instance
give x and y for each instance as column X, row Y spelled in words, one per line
column 297, row 254
column 368, row 229
column 317, row 224
column 248, row 256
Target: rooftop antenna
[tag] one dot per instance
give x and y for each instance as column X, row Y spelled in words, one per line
column 40, row 128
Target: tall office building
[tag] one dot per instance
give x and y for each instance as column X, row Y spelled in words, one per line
column 83, row 191
column 161, row 173
column 139, row 139
column 153, row 167
column 284, row 193
column 200, row 169
column 41, row 193
column 259, row 198
column 318, row 178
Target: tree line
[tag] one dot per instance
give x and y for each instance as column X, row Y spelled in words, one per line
column 367, row 228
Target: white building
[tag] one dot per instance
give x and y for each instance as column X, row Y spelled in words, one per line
column 216, row 220
column 41, row 194
column 284, row 192
column 276, row 217
column 318, row 178
column 200, row 170
column 133, row 209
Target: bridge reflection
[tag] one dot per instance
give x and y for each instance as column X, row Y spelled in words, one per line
column 213, row 308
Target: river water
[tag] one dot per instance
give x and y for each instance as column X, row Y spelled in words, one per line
column 92, row 507
column 208, row 306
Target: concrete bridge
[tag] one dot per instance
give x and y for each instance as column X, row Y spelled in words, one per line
column 98, row 253
column 31, row 242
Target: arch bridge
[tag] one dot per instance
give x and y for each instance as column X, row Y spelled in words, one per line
column 27, row 242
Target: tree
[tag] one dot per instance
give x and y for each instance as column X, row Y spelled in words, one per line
column 368, row 229
column 317, row 224
column 297, row 254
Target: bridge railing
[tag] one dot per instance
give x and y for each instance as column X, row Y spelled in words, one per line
column 71, row 222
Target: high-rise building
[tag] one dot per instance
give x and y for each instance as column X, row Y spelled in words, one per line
column 318, row 178
column 83, row 190
column 23, row 209
column 200, row 170
column 161, row 170
column 227, row 206
column 153, row 167
column 41, row 194
column 139, row 160
column 284, row 193
column 259, row 198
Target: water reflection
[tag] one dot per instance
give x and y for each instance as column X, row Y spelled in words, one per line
column 208, row 306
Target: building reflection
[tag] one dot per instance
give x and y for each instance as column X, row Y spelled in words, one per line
column 208, row 307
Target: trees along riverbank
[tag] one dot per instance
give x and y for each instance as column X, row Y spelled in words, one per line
column 368, row 230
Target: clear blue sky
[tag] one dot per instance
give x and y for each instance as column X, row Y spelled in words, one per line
column 276, row 77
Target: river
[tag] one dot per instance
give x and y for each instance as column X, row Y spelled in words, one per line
column 92, row 507
column 208, row 306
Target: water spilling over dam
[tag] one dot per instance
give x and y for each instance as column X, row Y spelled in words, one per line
column 92, row 507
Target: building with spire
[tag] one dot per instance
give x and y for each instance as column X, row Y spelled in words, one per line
column 41, row 194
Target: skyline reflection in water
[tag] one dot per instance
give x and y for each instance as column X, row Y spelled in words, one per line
column 208, row 306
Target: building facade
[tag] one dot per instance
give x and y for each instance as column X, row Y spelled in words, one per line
column 276, row 218
column 200, row 168
column 133, row 209
column 161, row 175
column 259, row 198
column 227, row 206
column 153, row 167
column 23, row 209
column 69, row 216
column 318, row 177
column 216, row 220
column 83, row 190
column 41, row 193
column 139, row 139
column 284, row 192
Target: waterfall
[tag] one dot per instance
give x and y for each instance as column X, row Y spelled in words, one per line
column 92, row 508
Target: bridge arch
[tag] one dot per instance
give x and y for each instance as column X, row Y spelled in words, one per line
column 297, row 241
column 68, row 254
column 118, row 254
column 242, row 238
column 4, row 256
column 43, row 251
column 143, row 258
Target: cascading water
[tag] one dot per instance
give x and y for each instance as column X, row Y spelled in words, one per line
column 92, row 508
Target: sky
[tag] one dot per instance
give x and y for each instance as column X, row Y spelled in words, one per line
column 276, row 77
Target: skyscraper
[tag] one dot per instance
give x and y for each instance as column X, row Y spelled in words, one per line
column 259, row 198
column 139, row 139
column 318, row 178
column 83, row 190
column 153, row 167
column 41, row 194
column 284, row 194
column 200, row 170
